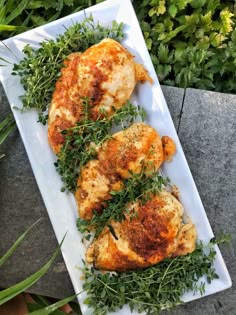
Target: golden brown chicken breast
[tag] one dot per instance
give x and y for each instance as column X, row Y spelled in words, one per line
column 106, row 74
column 94, row 189
column 136, row 149
column 186, row 240
column 150, row 233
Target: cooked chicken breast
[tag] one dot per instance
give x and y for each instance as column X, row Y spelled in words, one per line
column 150, row 233
column 94, row 187
column 105, row 74
column 136, row 149
column 186, row 240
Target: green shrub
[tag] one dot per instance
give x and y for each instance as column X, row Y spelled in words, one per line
column 192, row 42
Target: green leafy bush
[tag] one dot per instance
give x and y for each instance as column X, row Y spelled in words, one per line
column 192, row 42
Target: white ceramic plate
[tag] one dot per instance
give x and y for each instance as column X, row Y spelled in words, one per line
column 61, row 207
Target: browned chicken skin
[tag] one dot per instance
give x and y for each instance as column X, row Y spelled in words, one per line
column 106, row 74
column 150, row 233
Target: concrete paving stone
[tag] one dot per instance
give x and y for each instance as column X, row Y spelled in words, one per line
column 208, row 135
column 20, row 206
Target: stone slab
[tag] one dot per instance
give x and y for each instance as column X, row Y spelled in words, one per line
column 208, row 135
column 20, row 206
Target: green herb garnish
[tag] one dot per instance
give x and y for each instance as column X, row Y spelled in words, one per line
column 82, row 139
column 139, row 187
column 40, row 69
column 152, row 289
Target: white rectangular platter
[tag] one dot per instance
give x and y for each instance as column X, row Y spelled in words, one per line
column 61, row 207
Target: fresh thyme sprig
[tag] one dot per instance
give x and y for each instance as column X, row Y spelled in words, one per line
column 41, row 67
column 139, row 187
column 82, row 139
column 152, row 289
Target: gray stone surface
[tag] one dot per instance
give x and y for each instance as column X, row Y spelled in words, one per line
column 20, row 206
column 174, row 99
column 208, row 135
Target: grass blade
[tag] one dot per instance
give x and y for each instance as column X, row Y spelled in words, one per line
column 6, row 121
column 22, row 286
column 26, row 21
column 54, row 17
column 11, row 28
column 32, row 307
column 32, row 5
column 53, row 307
column 37, row 20
column 2, row 11
column 16, row 244
column 10, row 5
column 6, row 131
column 17, row 11
column 39, row 300
column 40, row 303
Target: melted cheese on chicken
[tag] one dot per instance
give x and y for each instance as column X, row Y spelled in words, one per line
column 138, row 148
column 106, row 74
column 150, row 233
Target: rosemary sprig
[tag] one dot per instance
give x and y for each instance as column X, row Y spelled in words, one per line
column 81, row 140
column 139, row 187
column 40, row 69
column 152, row 289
